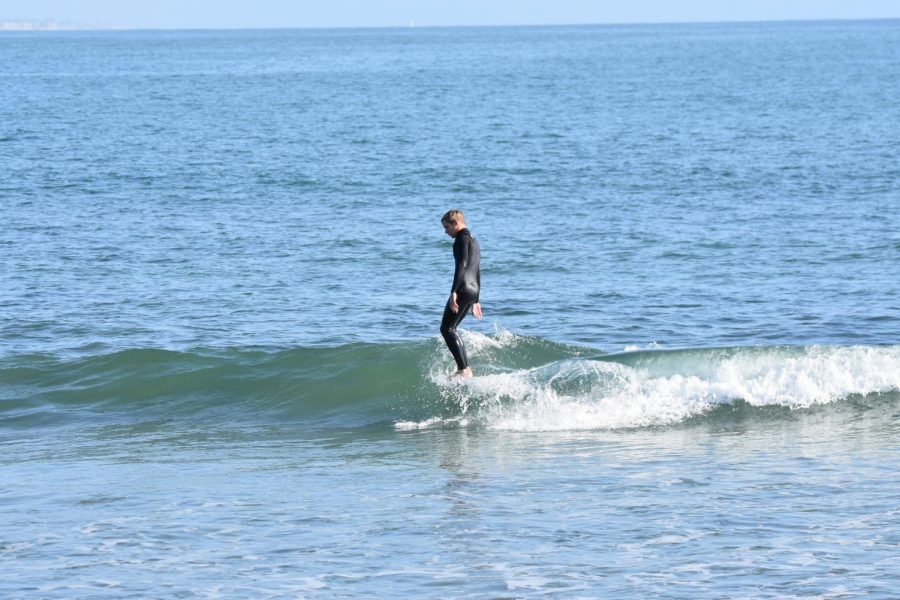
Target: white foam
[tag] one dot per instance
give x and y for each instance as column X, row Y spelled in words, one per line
column 477, row 345
column 413, row 425
column 477, row 342
column 589, row 394
column 636, row 347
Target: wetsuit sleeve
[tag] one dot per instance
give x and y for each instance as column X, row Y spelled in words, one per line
column 461, row 254
column 478, row 279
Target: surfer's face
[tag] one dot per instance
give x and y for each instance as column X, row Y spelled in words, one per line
column 451, row 228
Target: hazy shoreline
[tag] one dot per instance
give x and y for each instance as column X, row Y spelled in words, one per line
column 52, row 25
column 12, row 25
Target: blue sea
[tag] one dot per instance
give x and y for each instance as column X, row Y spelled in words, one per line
column 222, row 272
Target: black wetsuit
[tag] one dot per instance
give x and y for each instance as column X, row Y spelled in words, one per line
column 467, row 285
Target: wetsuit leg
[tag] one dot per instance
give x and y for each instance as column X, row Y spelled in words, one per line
column 448, row 330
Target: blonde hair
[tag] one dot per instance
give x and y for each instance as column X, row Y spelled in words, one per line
column 453, row 215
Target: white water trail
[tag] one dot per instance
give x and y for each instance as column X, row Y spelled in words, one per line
column 661, row 388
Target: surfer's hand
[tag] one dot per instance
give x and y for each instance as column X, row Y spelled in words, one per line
column 476, row 310
column 453, row 305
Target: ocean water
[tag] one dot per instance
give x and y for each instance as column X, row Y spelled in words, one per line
column 223, row 271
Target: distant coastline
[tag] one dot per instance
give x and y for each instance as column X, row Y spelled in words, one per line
column 53, row 25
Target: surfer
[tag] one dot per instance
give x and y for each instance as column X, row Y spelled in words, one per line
column 466, row 287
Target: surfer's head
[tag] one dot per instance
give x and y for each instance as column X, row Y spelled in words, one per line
column 453, row 222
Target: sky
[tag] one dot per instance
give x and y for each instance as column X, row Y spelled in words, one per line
column 230, row 14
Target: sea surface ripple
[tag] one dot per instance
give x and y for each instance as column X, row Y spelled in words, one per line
column 222, row 272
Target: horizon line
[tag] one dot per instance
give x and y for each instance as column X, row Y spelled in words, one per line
column 76, row 27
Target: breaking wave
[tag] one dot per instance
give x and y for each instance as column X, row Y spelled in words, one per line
column 521, row 384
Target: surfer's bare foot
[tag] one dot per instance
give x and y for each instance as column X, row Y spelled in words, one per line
column 464, row 373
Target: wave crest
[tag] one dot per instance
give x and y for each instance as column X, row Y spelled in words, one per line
column 652, row 388
column 522, row 383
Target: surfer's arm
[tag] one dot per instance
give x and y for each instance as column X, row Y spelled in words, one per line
column 476, row 308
